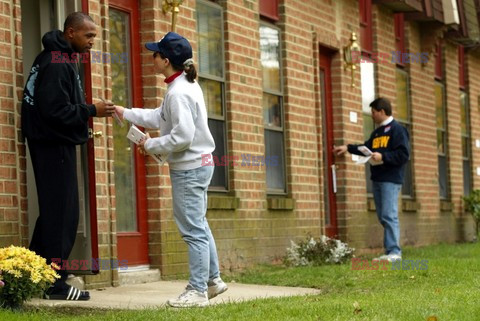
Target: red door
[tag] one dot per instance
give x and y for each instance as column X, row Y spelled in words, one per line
column 129, row 166
column 329, row 167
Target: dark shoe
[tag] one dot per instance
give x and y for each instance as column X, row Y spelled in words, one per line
column 71, row 294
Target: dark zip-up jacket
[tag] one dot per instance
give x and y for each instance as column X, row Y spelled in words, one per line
column 392, row 141
column 53, row 107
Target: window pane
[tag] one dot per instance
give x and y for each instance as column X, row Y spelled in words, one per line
column 270, row 56
column 210, row 44
column 463, row 113
column 407, row 187
column 467, row 178
column 219, row 179
column 408, row 181
column 212, row 92
column 402, row 96
column 123, row 148
column 439, row 106
column 465, row 147
column 367, row 73
column 274, row 160
column 368, row 127
column 272, row 112
column 442, row 176
column 440, row 142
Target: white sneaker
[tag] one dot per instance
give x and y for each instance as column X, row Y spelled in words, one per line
column 216, row 286
column 390, row 258
column 189, row 298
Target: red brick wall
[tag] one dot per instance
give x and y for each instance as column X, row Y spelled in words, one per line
column 12, row 162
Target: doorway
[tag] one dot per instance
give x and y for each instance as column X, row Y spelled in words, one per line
column 329, row 166
column 39, row 17
column 129, row 166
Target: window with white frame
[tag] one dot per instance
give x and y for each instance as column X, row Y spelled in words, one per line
column 441, row 123
column 211, row 77
column 465, row 122
column 404, row 118
column 273, row 108
column 466, row 151
column 441, row 139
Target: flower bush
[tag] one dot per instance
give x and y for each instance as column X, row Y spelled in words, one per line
column 24, row 274
column 322, row 251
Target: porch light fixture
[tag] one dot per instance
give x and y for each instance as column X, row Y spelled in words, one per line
column 173, row 7
column 351, row 56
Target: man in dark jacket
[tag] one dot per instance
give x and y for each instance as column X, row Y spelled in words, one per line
column 389, row 144
column 55, row 120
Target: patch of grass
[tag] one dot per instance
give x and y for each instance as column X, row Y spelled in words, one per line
column 449, row 289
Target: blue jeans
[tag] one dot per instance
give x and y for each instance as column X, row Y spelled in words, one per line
column 385, row 195
column 189, row 192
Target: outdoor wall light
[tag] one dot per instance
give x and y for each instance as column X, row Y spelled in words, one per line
column 351, row 56
column 172, row 6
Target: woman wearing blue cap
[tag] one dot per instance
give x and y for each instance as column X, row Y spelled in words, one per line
column 185, row 137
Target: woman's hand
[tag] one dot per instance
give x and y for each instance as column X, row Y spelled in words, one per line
column 119, row 110
column 141, row 145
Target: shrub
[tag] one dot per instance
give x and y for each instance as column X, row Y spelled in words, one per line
column 24, row 274
column 322, row 251
column 472, row 203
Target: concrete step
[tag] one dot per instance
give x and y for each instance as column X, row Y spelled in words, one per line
column 132, row 276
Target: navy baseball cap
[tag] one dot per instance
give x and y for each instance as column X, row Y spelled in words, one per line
column 172, row 46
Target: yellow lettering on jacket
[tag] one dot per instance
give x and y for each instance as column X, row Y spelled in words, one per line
column 380, row 142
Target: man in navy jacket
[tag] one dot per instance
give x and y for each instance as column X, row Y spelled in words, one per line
column 389, row 144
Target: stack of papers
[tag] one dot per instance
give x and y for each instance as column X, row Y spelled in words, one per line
column 137, row 136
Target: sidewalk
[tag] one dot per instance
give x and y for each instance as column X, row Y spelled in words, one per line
column 156, row 294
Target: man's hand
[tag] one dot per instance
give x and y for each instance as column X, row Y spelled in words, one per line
column 105, row 108
column 377, row 157
column 339, row 150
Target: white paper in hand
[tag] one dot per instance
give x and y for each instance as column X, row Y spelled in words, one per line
column 137, row 136
column 367, row 158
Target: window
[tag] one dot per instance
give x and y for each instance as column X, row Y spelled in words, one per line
column 441, row 138
column 441, row 123
column 273, row 108
column 211, row 78
column 465, row 123
column 403, row 97
column 466, row 154
column 367, row 74
column 403, row 117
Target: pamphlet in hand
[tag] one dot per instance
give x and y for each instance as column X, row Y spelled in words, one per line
column 367, row 158
column 137, row 136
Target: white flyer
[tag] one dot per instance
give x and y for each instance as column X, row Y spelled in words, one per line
column 137, row 136
column 367, row 158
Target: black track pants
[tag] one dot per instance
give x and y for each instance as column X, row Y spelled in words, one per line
column 55, row 168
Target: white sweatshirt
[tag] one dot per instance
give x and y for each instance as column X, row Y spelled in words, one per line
column 183, row 122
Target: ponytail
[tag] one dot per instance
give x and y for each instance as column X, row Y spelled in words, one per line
column 189, row 69
column 191, row 72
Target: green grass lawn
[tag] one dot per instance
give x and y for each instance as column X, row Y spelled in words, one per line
column 449, row 289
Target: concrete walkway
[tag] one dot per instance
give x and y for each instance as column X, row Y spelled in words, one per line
column 156, row 294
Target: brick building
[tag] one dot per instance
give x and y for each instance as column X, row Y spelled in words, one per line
column 279, row 97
